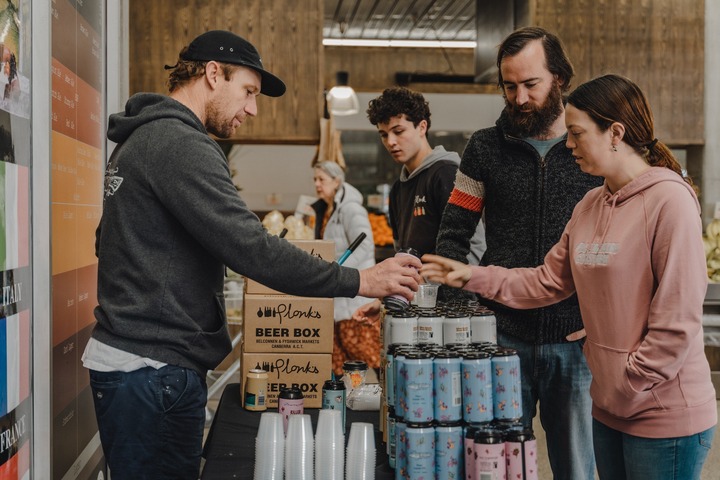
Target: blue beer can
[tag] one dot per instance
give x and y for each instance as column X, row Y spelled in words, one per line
column 419, row 385
column 447, row 386
column 477, row 387
column 420, row 451
column 400, row 450
column 400, row 380
column 449, row 457
column 507, row 386
column 389, row 369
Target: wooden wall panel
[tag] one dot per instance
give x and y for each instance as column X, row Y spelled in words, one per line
column 659, row 44
column 373, row 69
column 287, row 33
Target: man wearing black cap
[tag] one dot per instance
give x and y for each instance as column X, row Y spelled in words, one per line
column 171, row 221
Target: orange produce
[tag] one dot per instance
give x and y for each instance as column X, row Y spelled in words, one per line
column 382, row 233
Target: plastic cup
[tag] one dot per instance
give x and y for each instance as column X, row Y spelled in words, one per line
column 329, row 446
column 299, row 448
column 270, row 447
column 360, row 461
column 426, row 296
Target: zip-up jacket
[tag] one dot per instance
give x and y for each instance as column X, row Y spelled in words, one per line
column 527, row 201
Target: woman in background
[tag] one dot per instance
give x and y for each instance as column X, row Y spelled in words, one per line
column 633, row 252
column 341, row 217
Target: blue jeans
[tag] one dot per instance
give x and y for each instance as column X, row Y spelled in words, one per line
column 151, row 422
column 557, row 376
column 621, row 456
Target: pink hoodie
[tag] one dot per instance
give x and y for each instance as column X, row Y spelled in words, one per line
column 637, row 262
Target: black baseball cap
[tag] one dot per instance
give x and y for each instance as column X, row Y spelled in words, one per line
column 226, row 47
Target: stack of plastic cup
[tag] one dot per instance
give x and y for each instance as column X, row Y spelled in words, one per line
column 299, row 448
column 270, row 447
column 360, row 460
column 329, row 446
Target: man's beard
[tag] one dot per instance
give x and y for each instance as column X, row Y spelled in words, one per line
column 215, row 125
column 536, row 122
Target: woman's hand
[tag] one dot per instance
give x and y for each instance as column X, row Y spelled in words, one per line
column 368, row 313
column 443, row 270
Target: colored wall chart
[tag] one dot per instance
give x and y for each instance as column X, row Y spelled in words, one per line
column 77, row 167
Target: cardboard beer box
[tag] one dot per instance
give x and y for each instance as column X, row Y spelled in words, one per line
column 324, row 249
column 284, row 323
column 306, row 371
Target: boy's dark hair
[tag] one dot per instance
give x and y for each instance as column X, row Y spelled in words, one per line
column 396, row 101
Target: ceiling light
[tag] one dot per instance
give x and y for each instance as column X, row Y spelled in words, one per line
column 357, row 42
column 342, row 99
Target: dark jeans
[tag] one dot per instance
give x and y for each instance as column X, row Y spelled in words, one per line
column 151, row 422
column 557, row 377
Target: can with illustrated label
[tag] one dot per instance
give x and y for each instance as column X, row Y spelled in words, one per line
column 447, row 386
column 418, row 387
column 256, row 390
column 521, row 455
column 490, row 462
column 290, row 402
column 507, row 387
column 477, row 387
column 420, row 451
column 449, row 457
column 333, row 397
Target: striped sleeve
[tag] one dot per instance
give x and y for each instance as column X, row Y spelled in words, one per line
column 468, row 193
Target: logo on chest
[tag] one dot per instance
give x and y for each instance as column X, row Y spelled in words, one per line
column 595, row 253
column 419, row 206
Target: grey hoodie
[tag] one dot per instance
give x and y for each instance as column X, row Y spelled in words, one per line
column 417, row 202
column 172, row 219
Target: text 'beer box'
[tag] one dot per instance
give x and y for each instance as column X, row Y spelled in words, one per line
column 283, row 323
column 324, row 249
column 306, row 371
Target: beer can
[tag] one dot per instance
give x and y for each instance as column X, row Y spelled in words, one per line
column 483, row 326
column 490, row 462
column 456, row 327
column 430, row 327
column 477, row 387
column 333, row 397
column 290, row 402
column 521, row 455
column 256, row 385
column 507, row 386
column 420, row 451
column 449, row 458
column 447, row 386
column 419, row 385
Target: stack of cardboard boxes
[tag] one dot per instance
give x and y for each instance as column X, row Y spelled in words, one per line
column 289, row 337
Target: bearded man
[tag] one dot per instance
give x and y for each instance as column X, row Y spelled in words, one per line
column 524, row 179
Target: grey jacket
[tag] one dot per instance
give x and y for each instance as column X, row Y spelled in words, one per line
column 528, row 199
column 172, row 219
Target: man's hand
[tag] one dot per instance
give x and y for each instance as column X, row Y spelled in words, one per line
column 443, row 270
column 393, row 276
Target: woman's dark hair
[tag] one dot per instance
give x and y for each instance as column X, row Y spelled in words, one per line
column 556, row 59
column 396, row 101
column 613, row 98
column 185, row 70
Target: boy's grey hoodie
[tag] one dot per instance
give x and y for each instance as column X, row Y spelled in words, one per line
column 172, row 219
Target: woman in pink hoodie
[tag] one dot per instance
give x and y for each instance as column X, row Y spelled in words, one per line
column 633, row 252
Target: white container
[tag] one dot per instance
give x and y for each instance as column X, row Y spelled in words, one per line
column 430, row 327
column 483, row 327
column 456, row 328
column 403, row 326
